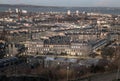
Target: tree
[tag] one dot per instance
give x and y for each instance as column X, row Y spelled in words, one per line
column 107, row 52
column 2, row 50
column 117, row 57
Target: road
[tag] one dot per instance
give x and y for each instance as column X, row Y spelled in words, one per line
column 105, row 77
column 101, row 77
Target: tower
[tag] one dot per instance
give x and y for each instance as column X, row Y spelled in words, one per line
column 77, row 12
column 68, row 12
column 17, row 10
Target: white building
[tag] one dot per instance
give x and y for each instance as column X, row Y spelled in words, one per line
column 80, row 48
column 34, row 46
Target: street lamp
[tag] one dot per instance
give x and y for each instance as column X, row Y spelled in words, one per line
column 67, row 72
column 117, row 75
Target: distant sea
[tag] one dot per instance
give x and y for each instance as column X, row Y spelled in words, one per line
column 29, row 8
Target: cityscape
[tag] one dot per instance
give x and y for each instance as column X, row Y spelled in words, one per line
column 76, row 44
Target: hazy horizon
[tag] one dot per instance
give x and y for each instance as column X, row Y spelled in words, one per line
column 65, row 3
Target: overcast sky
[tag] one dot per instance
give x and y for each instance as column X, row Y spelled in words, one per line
column 80, row 3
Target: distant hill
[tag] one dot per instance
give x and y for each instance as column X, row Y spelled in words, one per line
column 24, row 5
column 37, row 8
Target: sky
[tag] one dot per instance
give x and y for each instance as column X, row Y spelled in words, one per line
column 75, row 3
